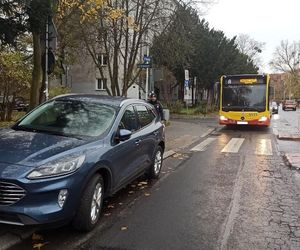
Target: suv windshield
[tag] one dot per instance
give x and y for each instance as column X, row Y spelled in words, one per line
column 69, row 118
column 244, row 97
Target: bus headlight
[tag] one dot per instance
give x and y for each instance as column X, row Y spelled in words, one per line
column 223, row 118
column 263, row 119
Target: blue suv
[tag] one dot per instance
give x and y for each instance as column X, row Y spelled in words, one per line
column 61, row 160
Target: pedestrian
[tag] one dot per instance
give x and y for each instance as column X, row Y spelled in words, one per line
column 152, row 99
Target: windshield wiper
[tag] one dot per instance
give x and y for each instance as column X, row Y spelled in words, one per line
column 38, row 130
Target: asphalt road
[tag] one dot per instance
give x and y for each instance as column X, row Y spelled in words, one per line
column 229, row 190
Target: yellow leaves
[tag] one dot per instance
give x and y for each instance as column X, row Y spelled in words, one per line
column 38, row 245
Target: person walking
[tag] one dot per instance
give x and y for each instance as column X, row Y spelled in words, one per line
column 152, row 99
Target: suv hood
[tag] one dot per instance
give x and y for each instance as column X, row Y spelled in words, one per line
column 27, row 148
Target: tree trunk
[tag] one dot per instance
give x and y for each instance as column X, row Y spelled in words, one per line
column 37, row 72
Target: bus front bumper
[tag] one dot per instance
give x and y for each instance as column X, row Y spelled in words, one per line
column 260, row 122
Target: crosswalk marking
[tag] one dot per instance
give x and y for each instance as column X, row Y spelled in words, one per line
column 264, row 147
column 233, row 146
column 203, row 145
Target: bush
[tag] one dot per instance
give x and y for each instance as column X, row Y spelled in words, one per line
column 58, row 90
column 174, row 107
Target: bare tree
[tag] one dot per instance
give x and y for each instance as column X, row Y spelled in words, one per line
column 250, row 47
column 122, row 30
column 286, row 58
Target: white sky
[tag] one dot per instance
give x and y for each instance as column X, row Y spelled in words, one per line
column 268, row 21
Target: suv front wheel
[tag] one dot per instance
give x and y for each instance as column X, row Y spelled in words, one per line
column 90, row 205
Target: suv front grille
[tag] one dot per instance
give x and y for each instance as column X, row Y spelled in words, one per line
column 10, row 193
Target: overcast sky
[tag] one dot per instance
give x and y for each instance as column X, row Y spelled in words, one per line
column 268, row 21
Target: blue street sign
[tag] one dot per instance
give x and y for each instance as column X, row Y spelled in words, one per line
column 147, row 59
column 186, row 83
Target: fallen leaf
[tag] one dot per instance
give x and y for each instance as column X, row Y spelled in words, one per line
column 120, row 203
column 139, row 185
column 147, row 194
column 107, row 214
column 163, row 172
column 133, row 186
column 144, row 182
column 39, row 245
column 180, row 158
column 131, row 192
column 141, row 188
column 110, row 206
column 124, row 228
column 37, row 237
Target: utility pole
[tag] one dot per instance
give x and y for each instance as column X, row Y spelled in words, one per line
column 147, row 74
column 46, row 61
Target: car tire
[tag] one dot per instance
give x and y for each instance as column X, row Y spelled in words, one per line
column 156, row 165
column 90, row 206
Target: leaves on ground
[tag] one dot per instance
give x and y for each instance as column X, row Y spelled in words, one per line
column 37, row 237
column 107, row 214
column 39, row 245
column 110, row 206
column 124, row 228
column 147, row 194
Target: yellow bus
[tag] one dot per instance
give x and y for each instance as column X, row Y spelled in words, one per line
column 244, row 100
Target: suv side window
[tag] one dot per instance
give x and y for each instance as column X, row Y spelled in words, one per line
column 145, row 115
column 129, row 120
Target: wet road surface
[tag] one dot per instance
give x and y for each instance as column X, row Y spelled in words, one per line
column 229, row 190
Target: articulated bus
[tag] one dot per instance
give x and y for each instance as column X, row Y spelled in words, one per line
column 244, row 100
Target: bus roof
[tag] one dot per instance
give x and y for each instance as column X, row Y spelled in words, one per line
column 245, row 75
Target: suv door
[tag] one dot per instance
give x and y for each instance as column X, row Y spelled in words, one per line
column 147, row 134
column 125, row 156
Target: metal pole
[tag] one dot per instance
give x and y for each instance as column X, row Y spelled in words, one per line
column 46, row 61
column 147, row 75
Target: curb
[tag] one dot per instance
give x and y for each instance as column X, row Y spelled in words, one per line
column 286, row 136
column 9, row 240
column 293, row 160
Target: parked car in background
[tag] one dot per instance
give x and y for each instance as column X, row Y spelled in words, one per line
column 19, row 104
column 289, row 104
column 274, row 107
column 61, row 160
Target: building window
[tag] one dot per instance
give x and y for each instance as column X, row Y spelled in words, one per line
column 102, row 59
column 101, row 84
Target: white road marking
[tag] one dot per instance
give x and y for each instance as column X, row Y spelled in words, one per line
column 203, row 145
column 207, row 133
column 264, row 147
column 233, row 146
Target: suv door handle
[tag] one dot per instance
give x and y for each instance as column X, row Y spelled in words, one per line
column 137, row 142
column 155, row 133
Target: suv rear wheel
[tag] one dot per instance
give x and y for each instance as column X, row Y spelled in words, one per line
column 90, row 205
column 156, row 165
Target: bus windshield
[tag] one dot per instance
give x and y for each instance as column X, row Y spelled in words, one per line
column 250, row 97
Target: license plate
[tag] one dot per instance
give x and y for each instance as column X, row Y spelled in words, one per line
column 242, row 123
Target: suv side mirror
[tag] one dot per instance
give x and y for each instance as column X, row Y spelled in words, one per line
column 124, row 134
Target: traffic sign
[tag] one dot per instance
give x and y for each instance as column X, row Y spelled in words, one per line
column 186, row 83
column 144, row 66
column 147, row 59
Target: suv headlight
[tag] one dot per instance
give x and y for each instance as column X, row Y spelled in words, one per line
column 58, row 167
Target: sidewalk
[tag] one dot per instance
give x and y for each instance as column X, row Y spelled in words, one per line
column 179, row 134
column 182, row 132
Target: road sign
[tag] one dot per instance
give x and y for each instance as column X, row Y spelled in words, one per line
column 144, row 66
column 186, row 74
column 147, row 59
column 186, row 83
